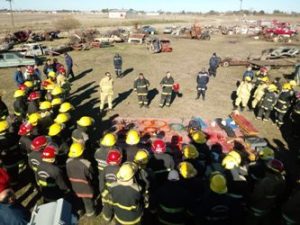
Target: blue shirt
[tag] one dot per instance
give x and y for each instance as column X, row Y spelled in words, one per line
column 19, row 78
column 13, row 214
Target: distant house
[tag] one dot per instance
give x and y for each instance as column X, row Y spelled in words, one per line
column 152, row 14
column 121, row 14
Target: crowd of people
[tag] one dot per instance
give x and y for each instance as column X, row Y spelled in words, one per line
column 132, row 180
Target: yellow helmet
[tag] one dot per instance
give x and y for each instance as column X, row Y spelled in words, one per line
column 56, row 101
column 65, row 107
column 126, row 171
column 3, row 126
column 198, row 137
column 187, row 170
column 229, row 162
column 48, row 84
column 247, row 78
column 286, row 86
column 108, row 140
column 76, row 150
column 85, row 121
column 293, row 83
column 266, row 154
column 141, row 157
column 272, row 87
column 54, row 129
column 190, row 152
column 52, row 74
column 236, row 156
column 45, row 105
column 218, row 183
column 61, row 118
column 265, row 79
column 56, row 91
column 133, row 137
column 34, row 118
column 19, row 93
column 28, row 84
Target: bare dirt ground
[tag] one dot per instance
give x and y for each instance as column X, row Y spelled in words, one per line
column 188, row 57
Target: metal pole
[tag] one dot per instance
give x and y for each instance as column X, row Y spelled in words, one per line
column 241, row 5
column 11, row 14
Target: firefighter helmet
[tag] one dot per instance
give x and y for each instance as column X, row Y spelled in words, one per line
column 198, row 137
column 158, row 146
column 28, row 84
column 34, row 96
column 266, row 154
column 25, row 128
column 85, row 121
column 263, row 69
column 293, row 83
column 132, row 137
column 108, row 140
column 76, row 150
column 39, row 143
column 247, row 78
column 56, row 101
column 272, row 88
column 286, row 86
column 61, row 70
column 34, row 118
column 30, row 70
column 276, row 165
column 229, row 162
column 190, row 152
column 126, row 172
column 265, row 79
column 218, row 183
column 141, row 157
column 3, row 126
column 54, row 129
column 4, row 180
column 46, row 105
column 65, row 107
column 19, row 93
column 48, row 84
column 236, row 156
column 114, row 157
column 52, row 74
column 187, row 170
column 56, row 91
column 48, row 154
column 61, row 118
column 22, row 87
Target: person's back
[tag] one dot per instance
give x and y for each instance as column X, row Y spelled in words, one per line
column 202, row 79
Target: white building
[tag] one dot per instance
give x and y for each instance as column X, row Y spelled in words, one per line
column 121, row 14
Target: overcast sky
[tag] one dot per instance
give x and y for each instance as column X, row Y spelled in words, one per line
column 154, row 5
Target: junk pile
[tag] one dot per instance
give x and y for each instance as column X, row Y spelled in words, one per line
column 81, row 39
column 44, row 36
column 227, row 133
column 156, row 45
column 193, row 32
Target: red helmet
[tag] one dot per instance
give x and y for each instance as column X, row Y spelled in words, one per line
column 25, row 128
column 176, row 87
column 34, row 95
column 276, row 165
column 114, row 157
column 4, row 180
column 38, row 143
column 49, row 152
column 30, row 69
column 22, row 87
column 61, row 70
column 263, row 69
column 159, row 146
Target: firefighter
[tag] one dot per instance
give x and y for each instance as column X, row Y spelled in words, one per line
column 202, row 81
column 56, row 102
column 248, row 73
column 266, row 194
column 106, row 91
column 268, row 102
column 20, row 107
column 10, row 155
column 81, row 133
column 161, row 162
column 59, row 141
column 109, row 176
column 132, row 145
column 67, row 108
column 3, row 108
column 259, row 92
column 64, row 120
column 141, row 85
column 35, row 156
column 261, row 75
column 46, row 116
column 172, row 201
column 33, row 102
column 118, row 65
column 30, row 75
column 214, row 62
column 58, row 92
column 283, row 103
column 25, row 131
column 33, row 119
column 295, row 116
column 50, row 178
column 48, row 67
column 19, row 77
column 191, row 155
column 63, row 82
column 128, row 208
column 290, row 209
column 243, row 93
column 80, row 174
column 167, row 89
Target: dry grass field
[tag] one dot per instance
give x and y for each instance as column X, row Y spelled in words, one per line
column 188, row 57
